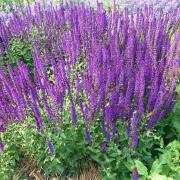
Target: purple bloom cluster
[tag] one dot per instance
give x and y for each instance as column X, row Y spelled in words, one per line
column 111, row 65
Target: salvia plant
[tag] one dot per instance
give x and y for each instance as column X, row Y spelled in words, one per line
column 111, row 66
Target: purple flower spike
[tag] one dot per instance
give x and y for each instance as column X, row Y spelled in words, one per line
column 51, row 148
column 1, row 146
column 135, row 139
column 73, row 113
column 135, row 174
column 108, row 137
column 88, row 136
column 104, row 147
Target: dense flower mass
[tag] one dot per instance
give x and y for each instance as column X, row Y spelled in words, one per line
column 111, row 66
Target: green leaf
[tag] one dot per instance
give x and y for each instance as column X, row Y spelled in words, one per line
column 176, row 123
column 129, row 164
column 156, row 167
column 142, row 169
column 177, row 176
column 159, row 177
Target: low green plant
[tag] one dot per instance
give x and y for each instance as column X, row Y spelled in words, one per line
column 166, row 167
column 156, row 157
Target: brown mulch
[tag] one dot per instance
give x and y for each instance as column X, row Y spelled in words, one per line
column 30, row 170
